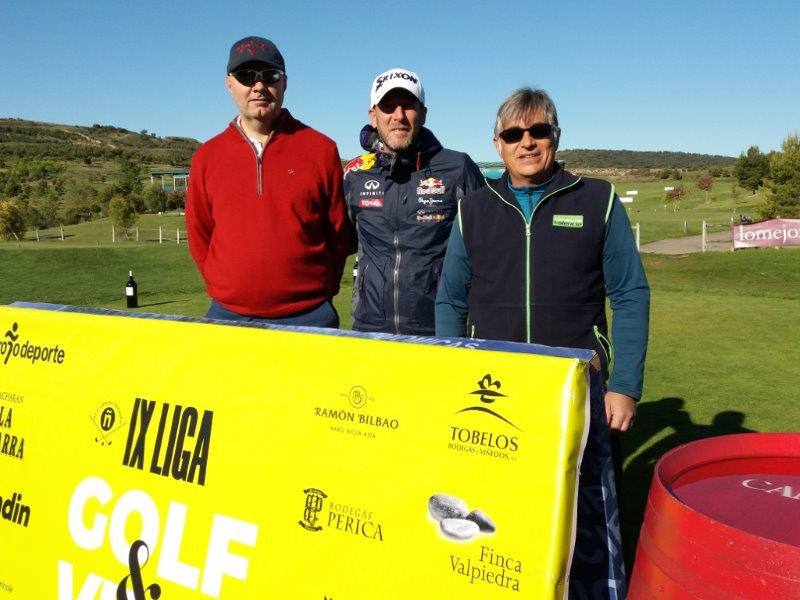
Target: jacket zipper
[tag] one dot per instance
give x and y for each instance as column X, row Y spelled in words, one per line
column 258, row 156
column 528, row 284
column 608, row 349
column 396, row 281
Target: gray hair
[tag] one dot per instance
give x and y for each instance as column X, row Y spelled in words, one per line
column 523, row 102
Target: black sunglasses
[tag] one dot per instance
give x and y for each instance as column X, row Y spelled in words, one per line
column 537, row 131
column 249, row 77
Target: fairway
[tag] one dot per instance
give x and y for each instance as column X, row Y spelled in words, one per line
column 722, row 348
column 660, row 218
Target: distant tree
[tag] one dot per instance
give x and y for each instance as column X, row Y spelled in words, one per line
column 41, row 187
column 705, row 183
column 664, row 173
column 751, row 168
column 177, row 200
column 47, row 209
column 674, row 196
column 677, row 175
column 155, row 198
column 13, row 185
column 12, row 221
column 80, row 201
column 106, row 194
column 715, row 171
column 129, row 176
column 137, row 200
column 120, row 209
column 784, row 171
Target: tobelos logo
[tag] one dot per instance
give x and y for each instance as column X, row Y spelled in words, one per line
column 489, row 391
column 314, row 501
column 11, row 346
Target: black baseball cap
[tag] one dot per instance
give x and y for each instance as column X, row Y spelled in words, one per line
column 255, row 49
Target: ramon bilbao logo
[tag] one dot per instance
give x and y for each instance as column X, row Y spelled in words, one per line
column 14, row 346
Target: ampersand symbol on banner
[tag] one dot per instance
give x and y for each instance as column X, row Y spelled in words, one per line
column 135, row 576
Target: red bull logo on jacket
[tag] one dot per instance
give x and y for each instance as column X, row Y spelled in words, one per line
column 360, row 163
column 431, row 185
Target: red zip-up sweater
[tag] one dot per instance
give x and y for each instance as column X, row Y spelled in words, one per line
column 270, row 236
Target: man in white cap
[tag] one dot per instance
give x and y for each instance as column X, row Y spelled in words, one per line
column 402, row 195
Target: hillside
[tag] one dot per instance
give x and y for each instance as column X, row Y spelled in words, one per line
column 632, row 159
column 32, row 139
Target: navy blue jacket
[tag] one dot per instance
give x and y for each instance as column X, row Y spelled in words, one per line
column 403, row 206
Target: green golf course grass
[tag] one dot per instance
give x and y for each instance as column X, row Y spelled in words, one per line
column 723, row 339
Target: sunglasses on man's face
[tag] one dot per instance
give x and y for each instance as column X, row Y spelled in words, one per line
column 537, row 131
column 249, row 77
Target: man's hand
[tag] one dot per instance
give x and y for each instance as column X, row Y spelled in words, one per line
column 620, row 411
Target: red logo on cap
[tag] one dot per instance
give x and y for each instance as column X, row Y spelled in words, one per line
column 251, row 47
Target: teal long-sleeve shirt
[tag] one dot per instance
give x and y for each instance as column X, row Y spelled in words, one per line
column 626, row 287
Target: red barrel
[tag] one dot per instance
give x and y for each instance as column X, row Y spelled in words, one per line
column 723, row 521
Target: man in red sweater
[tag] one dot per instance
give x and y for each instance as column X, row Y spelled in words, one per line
column 265, row 212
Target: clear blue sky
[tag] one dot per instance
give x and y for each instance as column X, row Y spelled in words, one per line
column 709, row 77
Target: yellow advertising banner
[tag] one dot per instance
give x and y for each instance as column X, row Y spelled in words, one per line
column 145, row 458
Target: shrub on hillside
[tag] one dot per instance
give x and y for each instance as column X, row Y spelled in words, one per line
column 122, row 214
column 46, row 210
column 155, row 198
column 81, row 202
column 12, row 221
column 676, row 193
column 177, row 200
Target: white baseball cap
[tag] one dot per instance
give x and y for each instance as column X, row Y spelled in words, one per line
column 394, row 79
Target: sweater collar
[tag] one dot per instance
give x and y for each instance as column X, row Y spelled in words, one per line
column 283, row 123
column 559, row 180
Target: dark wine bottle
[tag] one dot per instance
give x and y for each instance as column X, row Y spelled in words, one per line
column 131, row 293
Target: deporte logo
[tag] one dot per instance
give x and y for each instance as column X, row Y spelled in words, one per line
column 13, row 346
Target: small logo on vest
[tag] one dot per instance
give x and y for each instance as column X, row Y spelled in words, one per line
column 568, row 221
column 370, row 203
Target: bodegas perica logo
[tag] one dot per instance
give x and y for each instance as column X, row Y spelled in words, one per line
column 13, row 345
column 320, row 513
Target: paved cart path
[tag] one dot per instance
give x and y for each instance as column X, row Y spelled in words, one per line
column 719, row 241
